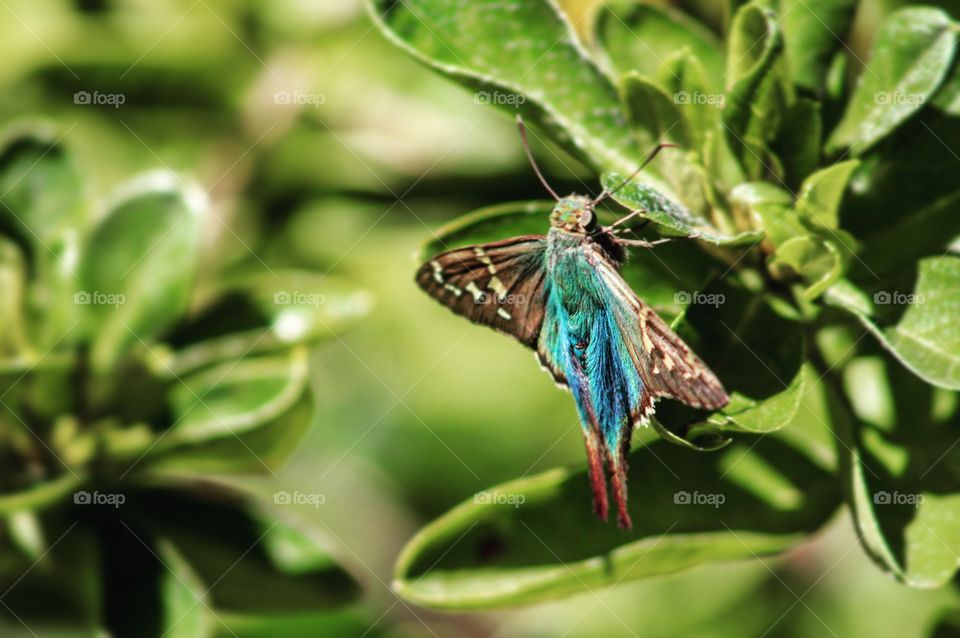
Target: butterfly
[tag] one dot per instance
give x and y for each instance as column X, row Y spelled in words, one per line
column 562, row 295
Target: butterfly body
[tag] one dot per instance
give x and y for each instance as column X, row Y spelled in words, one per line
column 562, row 295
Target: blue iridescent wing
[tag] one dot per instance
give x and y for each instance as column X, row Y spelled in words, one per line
column 499, row 284
column 617, row 357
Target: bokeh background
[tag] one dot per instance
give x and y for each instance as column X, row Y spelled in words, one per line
column 323, row 146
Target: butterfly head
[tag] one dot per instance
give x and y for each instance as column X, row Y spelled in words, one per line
column 574, row 214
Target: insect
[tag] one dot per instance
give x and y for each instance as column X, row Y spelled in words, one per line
column 562, row 295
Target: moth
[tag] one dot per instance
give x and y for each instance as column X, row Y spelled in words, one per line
column 562, row 295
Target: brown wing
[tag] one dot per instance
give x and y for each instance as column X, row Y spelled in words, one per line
column 498, row 284
column 666, row 364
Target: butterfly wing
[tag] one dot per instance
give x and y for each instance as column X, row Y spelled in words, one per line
column 666, row 364
column 617, row 357
column 498, row 284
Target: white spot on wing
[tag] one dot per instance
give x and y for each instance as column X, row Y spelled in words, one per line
column 497, row 286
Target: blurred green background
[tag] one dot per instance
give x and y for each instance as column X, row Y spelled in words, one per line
column 323, row 146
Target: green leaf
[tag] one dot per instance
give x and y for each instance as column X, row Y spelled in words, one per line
column 821, row 193
column 246, row 415
column 813, row 31
column 139, row 265
column 916, row 321
column 755, row 351
column 769, row 207
column 41, row 196
column 655, row 118
column 900, row 478
column 910, row 58
column 510, row 545
column 42, row 205
column 182, row 592
column 250, row 563
column 643, row 38
column 489, row 224
column 815, row 259
column 287, row 306
column 236, row 397
column 305, row 625
column 683, row 77
column 41, row 495
column 901, row 209
column 26, row 533
column 670, row 215
column 750, row 116
column 60, row 589
column 524, row 53
column 798, row 141
column 13, row 339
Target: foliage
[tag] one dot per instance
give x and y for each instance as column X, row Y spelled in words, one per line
column 128, row 384
column 824, row 273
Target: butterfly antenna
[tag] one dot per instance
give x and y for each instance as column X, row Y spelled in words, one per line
column 607, row 193
column 533, row 163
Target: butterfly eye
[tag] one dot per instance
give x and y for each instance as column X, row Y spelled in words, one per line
column 586, row 218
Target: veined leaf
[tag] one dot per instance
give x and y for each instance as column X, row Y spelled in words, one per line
column 288, row 307
column 750, row 116
column 813, row 31
column 510, row 545
column 139, row 265
column 812, row 257
column 671, row 215
column 910, row 59
column 526, row 51
column 644, row 37
column 915, row 321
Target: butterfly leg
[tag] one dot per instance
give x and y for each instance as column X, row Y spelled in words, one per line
column 642, row 243
column 598, row 479
column 628, row 217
